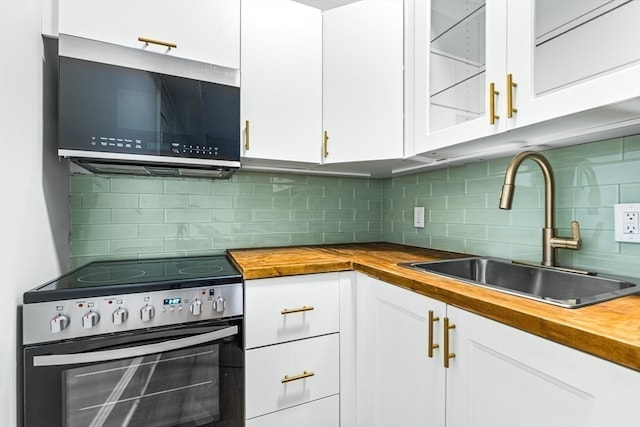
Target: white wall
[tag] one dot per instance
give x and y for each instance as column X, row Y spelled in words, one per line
column 33, row 185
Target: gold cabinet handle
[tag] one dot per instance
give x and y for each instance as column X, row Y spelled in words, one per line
column 510, row 85
column 325, row 144
column 447, row 354
column 492, row 103
column 147, row 40
column 296, row 310
column 246, row 135
column 304, row 374
column 432, row 346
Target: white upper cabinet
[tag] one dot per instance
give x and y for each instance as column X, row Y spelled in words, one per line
column 458, row 56
column 572, row 56
column 206, row 31
column 281, row 80
column 363, row 81
column 479, row 68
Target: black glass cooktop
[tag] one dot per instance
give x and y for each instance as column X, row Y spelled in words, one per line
column 131, row 276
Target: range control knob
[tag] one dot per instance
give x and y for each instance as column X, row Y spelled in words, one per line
column 196, row 307
column 219, row 304
column 90, row 319
column 119, row 316
column 59, row 323
column 147, row 312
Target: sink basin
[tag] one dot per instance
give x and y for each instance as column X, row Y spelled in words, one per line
column 553, row 286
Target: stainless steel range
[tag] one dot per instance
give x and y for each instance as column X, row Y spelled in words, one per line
column 153, row 342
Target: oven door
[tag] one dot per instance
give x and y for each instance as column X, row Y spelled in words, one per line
column 181, row 376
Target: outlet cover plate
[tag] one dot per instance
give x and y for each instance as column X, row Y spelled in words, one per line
column 626, row 222
column 418, row 217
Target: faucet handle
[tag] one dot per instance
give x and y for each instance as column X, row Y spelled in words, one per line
column 575, row 232
column 574, row 242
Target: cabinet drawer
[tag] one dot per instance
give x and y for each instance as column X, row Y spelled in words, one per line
column 319, row 413
column 266, row 368
column 310, row 305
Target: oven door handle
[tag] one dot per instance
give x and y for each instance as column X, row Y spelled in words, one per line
column 128, row 352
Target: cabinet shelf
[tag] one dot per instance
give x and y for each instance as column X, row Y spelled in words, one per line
column 458, row 33
column 458, row 102
column 553, row 19
column 471, row 70
column 457, row 62
column 569, row 42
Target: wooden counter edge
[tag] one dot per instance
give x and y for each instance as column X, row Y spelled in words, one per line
column 269, row 271
column 607, row 348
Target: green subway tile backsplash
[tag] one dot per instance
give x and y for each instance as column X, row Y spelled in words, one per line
column 590, row 179
column 118, row 217
column 121, row 216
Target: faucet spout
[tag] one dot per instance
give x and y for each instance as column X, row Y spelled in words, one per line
column 550, row 240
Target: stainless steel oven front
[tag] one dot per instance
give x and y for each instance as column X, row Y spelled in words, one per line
column 175, row 376
column 161, row 353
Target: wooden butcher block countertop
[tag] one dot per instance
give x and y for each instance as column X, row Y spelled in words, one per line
column 610, row 330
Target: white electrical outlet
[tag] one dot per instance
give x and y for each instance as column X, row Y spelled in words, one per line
column 630, row 223
column 418, row 217
column 627, row 222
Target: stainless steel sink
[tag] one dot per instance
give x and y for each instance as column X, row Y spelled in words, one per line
column 553, row 286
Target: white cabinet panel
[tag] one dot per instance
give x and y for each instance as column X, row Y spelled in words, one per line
column 363, row 81
column 398, row 384
column 266, row 367
column 319, row 413
column 206, row 31
column 499, row 376
column 317, row 296
column 503, row 377
column 281, row 80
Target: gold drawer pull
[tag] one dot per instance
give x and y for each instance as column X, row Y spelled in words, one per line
column 246, row 135
column 296, row 310
column 510, row 85
column 325, row 144
column 304, row 374
column 147, row 40
column 447, row 355
column 492, row 103
column 431, row 345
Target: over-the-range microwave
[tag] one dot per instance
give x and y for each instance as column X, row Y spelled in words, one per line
column 122, row 110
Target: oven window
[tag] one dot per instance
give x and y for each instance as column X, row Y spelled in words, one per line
column 177, row 388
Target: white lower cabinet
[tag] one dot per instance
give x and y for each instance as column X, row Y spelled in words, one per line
column 292, row 359
column 319, row 413
column 285, row 375
column 362, row 352
column 289, row 308
column 397, row 384
column 504, row 377
column 497, row 375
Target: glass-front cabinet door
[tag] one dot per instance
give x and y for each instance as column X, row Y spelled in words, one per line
column 457, row 62
column 459, row 52
column 479, row 68
column 572, row 56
